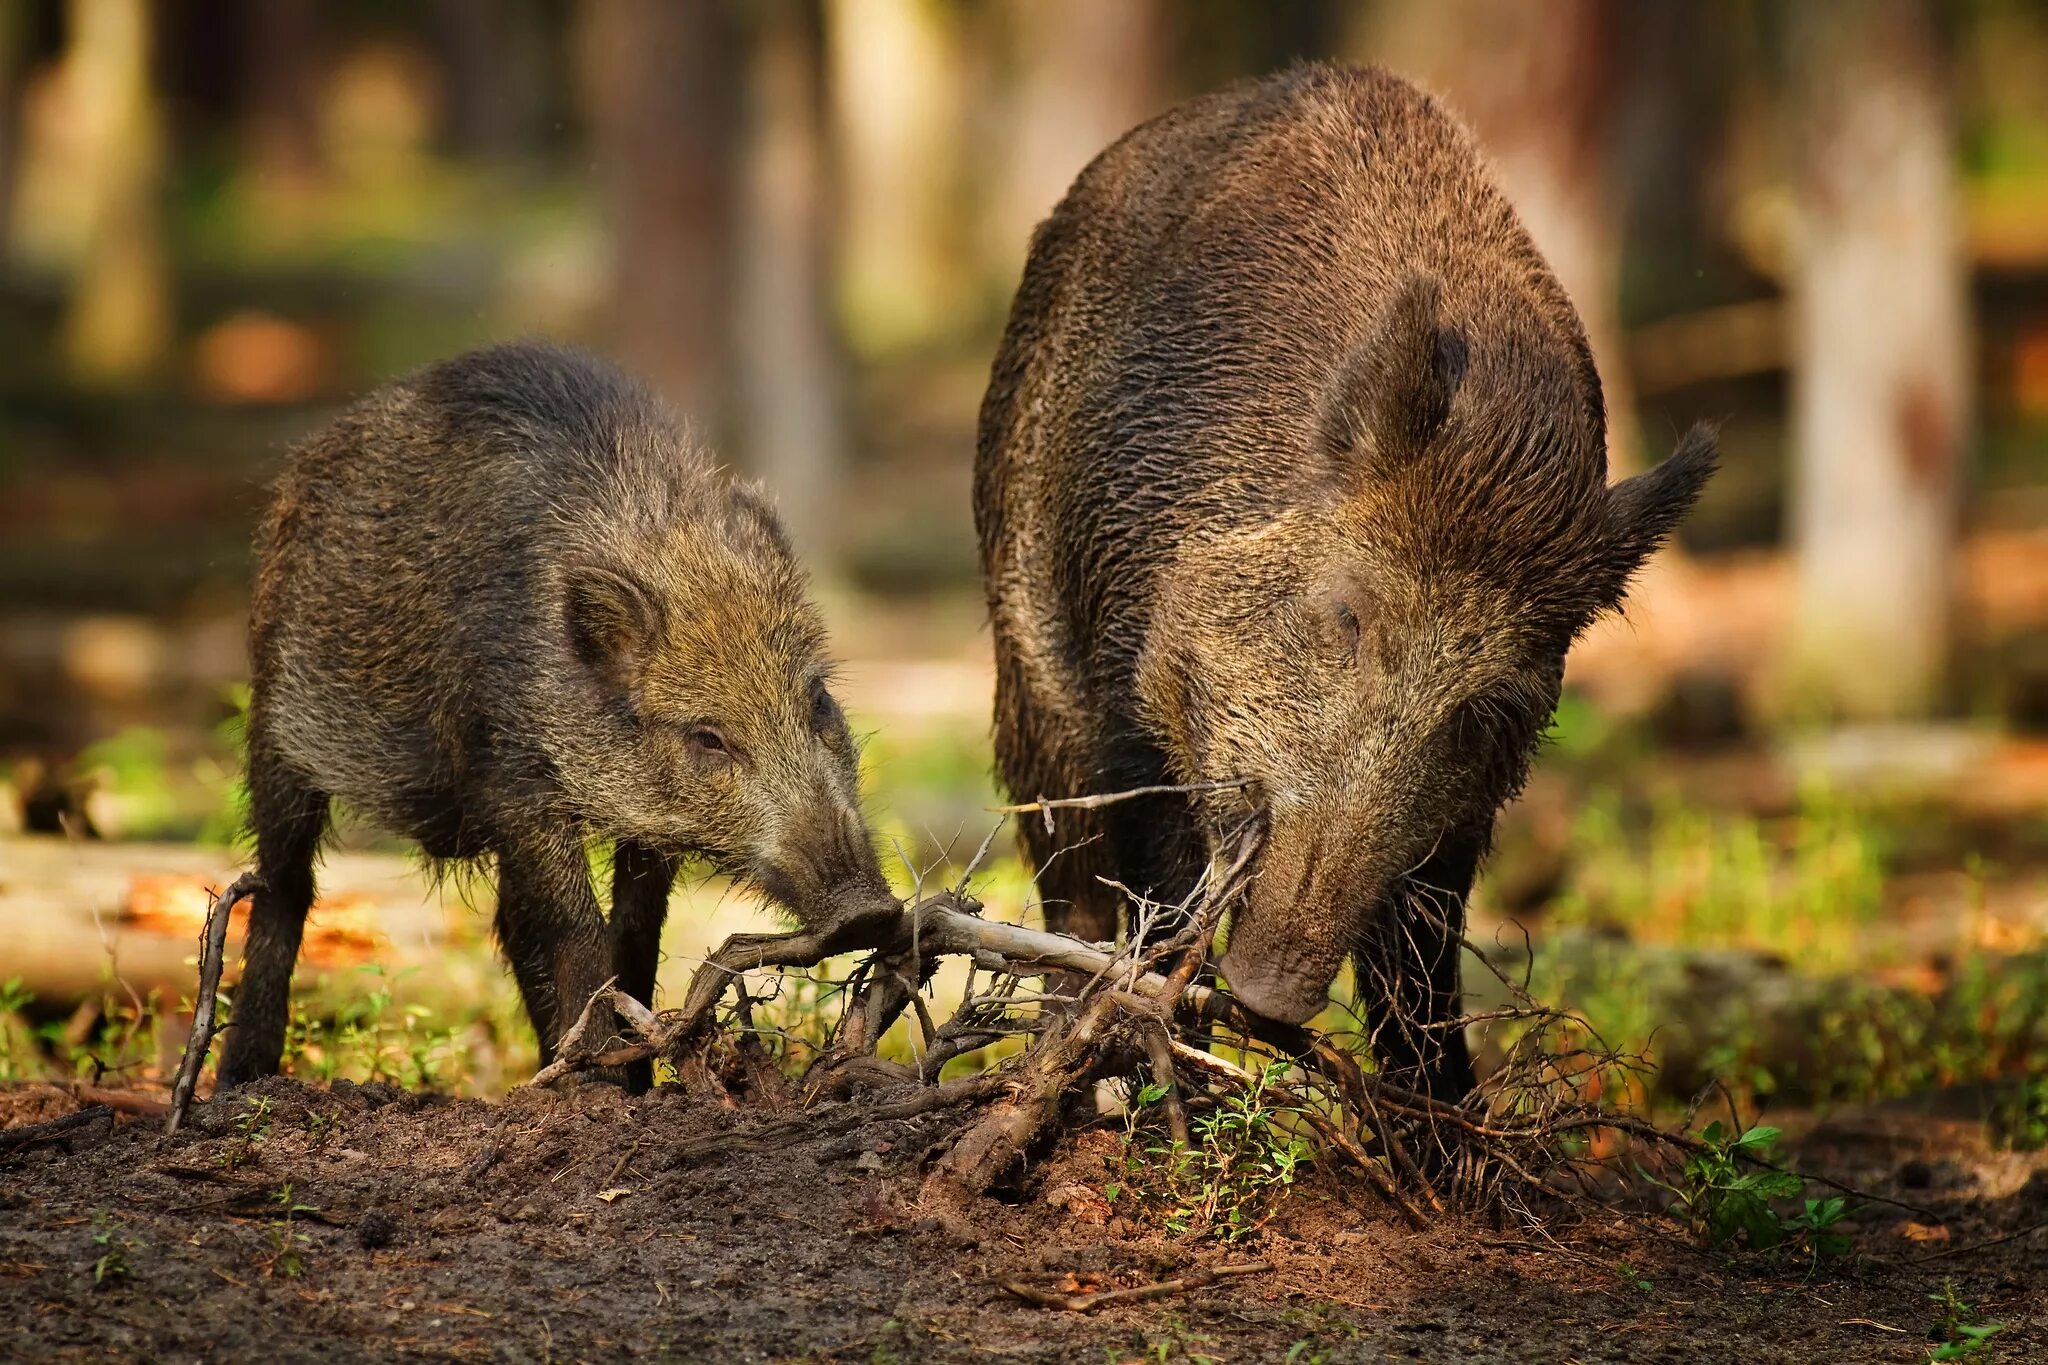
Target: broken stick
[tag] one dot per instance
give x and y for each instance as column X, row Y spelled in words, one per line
column 213, row 946
column 1083, row 1303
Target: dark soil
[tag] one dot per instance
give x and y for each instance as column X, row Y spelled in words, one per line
column 586, row 1225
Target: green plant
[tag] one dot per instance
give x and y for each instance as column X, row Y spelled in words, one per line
column 1241, row 1154
column 372, row 1037
column 1633, row 1278
column 1959, row 1330
column 1727, row 1194
column 1177, row 1342
column 112, row 1266
column 252, row 1129
column 2020, row 1119
column 14, row 999
column 288, row 1244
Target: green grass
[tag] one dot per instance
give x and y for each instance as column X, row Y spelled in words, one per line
column 1807, row 887
column 1652, row 882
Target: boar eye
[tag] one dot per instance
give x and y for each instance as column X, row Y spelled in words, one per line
column 705, row 739
column 1347, row 625
column 824, row 711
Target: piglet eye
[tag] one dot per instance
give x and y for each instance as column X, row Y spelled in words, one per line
column 824, row 712
column 706, row 739
column 1347, row 624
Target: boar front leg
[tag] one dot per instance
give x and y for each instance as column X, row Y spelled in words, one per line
column 1408, row 976
column 552, row 932
column 641, row 881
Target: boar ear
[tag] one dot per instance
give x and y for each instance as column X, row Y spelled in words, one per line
column 1394, row 392
column 613, row 622
column 1646, row 509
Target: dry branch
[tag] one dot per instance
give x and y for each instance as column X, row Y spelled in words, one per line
column 1082, row 1303
column 213, row 942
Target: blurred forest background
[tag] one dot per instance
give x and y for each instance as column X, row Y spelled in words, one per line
column 1816, row 751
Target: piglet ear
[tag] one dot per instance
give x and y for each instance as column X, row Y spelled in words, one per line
column 1643, row 511
column 613, row 621
column 1393, row 393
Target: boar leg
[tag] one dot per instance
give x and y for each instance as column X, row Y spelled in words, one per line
column 641, row 881
column 288, row 815
column 1409, row 979
column 552, row 932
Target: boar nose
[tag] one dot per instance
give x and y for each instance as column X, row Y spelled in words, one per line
column 828, row 864
column 1276, row 990
column 1293, row 933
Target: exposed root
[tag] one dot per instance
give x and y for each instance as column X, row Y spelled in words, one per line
column 1145, row 1014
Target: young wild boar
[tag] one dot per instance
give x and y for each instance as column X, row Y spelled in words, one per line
column 1292, row 472
column 506, row 608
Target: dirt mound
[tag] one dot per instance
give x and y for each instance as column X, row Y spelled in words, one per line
column 364, row 1222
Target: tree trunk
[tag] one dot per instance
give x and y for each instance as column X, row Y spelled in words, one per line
column 1087, row 72
column 117, row 325
column 14, row 39
column 1540, row 86
column 661, row 97
column 787, row 354
column 898, row 114
column 282, row 88
column 1881, row 360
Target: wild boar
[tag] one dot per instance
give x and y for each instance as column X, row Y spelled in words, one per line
column 509, row 609
column 1291, row 473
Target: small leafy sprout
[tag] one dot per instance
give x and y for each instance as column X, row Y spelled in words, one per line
column 283, row 1199
column 1727, row 1198
column 288, row 1245
column 1633, row 1278
column 252, row 1128
column 1959, row 1330
column 112, row 1265
column 1813, row 1227
column 1242, row 1154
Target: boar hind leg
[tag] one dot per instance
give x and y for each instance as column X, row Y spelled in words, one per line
column 288, row 815
column 1408, row 976
column 641, row 881
column 1038, row 756
column 552, row 932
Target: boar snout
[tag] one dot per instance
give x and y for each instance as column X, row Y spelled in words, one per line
column 824, row 870
column 1317, row 889
column 1287, row 943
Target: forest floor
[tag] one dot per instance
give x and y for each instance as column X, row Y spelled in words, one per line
column 290, row 1222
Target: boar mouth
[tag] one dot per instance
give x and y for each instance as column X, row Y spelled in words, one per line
column 1272, row 991
column 852, row 910
column 1306, row 912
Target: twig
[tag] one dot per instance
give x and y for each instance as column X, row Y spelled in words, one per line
column 29, row 1136
column 1083, row 1303
column 1044, row 806
column 1965, row 1247
column 213, row 942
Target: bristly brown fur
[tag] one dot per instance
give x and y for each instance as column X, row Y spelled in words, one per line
column 1291, row 469
column 507, row 607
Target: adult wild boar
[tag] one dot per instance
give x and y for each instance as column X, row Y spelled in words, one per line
column 1292, row 472
column 507, row 608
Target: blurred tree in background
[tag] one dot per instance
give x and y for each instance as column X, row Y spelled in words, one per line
column 117, row 327
column 802, row 220
column 1881, row 356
